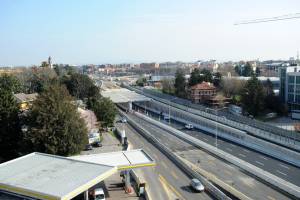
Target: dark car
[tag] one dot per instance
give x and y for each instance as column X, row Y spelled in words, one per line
column 88, row 147
column 98, row 144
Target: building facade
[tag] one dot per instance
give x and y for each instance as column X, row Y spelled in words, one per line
column 290, row 86
column 202, row 92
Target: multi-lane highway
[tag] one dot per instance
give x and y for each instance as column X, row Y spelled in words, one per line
column 279, row 168
column 229, row 174
column 165, row 181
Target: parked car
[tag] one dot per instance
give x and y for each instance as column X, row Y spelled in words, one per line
column 88, row 147
column 97, row 194
column 189, row 126
column 124, row 120
column 98, row 144
column 196, row 185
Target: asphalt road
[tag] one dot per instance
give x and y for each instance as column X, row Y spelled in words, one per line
column 279, row 168
column 222, row 170
column 165, row 180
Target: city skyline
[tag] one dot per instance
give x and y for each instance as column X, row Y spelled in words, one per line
column 132, row 32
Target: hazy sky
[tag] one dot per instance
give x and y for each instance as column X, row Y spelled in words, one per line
column 112, row 31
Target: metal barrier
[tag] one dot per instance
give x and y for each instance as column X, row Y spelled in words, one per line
column 287, row 187
column 192, row 174
column 286, row 138
column 227, row 132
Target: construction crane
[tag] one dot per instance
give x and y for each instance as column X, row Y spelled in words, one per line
column 270, row 19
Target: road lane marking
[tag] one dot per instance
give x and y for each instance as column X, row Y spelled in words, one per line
column 284, row 166
column 232, row 145
column 174, row 174
column 246, row 150
column 263, row 157
column 271, row 198
column 242, row 155
column 164, row 181
column 205, row 139
column 229, row 149
column 262, row 164
column 281, row 172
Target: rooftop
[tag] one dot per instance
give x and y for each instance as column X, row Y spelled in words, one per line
column 47, row 176
column 203, row 86
column 22, row 97
column 122, row 95
column 121, row 159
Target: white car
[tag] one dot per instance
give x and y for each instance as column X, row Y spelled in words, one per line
column 124, row 120
column 197, row 185
column 189, row 126
column 99, row 194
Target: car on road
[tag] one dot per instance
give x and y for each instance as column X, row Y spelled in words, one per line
column 189, row 126
column 124, row 120
column 196, row 185
column 88, row 147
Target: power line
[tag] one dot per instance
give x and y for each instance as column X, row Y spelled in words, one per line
column 270, row 19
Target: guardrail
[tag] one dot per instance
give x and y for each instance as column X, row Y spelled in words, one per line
column 213, row 190
column 227, row 132
column 292, row 190
column 289, row 139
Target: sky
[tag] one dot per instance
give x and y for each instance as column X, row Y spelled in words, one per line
column 133, row 31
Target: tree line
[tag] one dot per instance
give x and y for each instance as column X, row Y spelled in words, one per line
column 52, row 124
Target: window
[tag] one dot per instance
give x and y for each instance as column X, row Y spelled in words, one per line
column 291, row 79
column 290, row 98
column 297, row 79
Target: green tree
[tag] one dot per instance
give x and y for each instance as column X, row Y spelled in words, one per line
column 247, row 70
column 180, row 84
column 81, row 86
column 168, row 86
column 141, row 81
column 195, row 77
column 253, row 96
column 217, row 78
column 8, row 82
column 206, row 76
column 55, row 126
column 104, row 109
column 10, row 129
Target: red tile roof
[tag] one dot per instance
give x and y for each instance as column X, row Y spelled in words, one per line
column 203, row 86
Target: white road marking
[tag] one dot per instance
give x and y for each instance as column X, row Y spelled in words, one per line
column 229, row 149
column 281, row 172
column 205, row 139
column 263, row 157
column 246, row 150
column 284, row 166
column 259, row 163
column 232, row 145
column 242, row 155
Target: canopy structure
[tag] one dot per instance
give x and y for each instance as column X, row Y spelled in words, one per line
column 50, row 177
column 121, row 159
column 123, row 95
column 45, row 176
